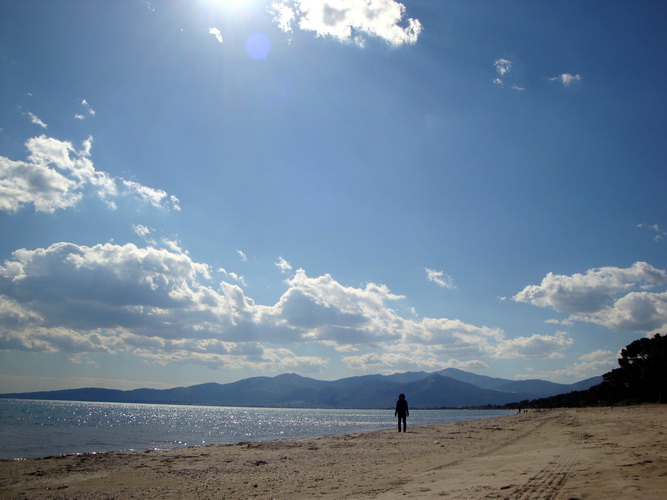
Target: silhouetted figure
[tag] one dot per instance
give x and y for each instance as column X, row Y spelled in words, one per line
column 402, row 411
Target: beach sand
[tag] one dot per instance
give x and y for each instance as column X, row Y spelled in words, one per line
column 556, row 454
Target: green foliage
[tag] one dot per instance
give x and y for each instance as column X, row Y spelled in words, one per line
column 640, row 378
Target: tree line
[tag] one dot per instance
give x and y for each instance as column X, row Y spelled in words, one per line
column 640, row 378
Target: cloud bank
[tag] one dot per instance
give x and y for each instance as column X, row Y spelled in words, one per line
column 161, row 305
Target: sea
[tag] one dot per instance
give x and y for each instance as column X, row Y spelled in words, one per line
column 37, row 428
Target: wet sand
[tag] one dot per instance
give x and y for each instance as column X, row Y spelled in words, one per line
column 558, row 454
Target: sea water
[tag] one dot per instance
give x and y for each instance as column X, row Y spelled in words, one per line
column 33, row 429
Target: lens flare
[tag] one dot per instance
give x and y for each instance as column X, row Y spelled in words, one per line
column 258, row 46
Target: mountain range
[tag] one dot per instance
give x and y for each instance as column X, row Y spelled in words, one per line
column 448, row 388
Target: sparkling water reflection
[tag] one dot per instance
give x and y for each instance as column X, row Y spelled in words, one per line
column 31, row 429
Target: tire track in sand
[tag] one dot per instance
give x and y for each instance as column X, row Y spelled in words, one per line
column 546, row 484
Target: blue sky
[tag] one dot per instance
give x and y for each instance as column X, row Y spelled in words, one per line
column 211, row 190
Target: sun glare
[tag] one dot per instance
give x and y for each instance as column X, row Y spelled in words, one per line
column 234, row 5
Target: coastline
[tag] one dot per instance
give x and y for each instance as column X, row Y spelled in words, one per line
column 615, row 452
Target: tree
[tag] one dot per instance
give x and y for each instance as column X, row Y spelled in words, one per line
column 642, row 375
column 640, row 378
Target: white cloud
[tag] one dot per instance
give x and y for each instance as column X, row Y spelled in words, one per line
column 599, row 357
column 216, row 33
column 242, row 256
column 35, row 119
column 155, row 197
column 234, row 276
column 327, row 310
column 415, row 360
column 283, row 265
column 589, row 365
column 159, row 304
column 503, row 66
column 142, row 230
column 57, row 176
column 349, row 20
column 173, row 245
column 636, row 312
column 503, row 69
column 439, row 278
column 393, row 362
column 88, row 110
column 151, row 302
column 79, row 359
column 659, row 233
column 535, row 346
column 594, row 297
column 566, row 78
column 23, row 183
column 283, row 15
column 592, row 291
column 452, row 337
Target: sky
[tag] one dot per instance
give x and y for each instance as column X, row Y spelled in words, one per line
column 211, row 190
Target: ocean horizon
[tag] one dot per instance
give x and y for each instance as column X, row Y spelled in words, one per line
column 41, row 428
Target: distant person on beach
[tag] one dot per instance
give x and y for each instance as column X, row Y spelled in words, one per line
column 402, row 411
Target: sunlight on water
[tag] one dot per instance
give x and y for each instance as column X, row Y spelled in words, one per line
column 43, row 428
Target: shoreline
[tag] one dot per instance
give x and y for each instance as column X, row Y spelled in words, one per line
column 616, row 452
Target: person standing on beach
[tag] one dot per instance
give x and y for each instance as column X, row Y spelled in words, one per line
column 402, row 411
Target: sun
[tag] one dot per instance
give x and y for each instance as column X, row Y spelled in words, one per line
column 234, row 5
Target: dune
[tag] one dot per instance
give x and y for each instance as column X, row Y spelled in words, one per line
column 588, row 453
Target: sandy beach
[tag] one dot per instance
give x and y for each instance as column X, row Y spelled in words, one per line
column 556, row 454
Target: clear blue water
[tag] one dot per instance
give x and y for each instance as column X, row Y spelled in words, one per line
column 32, row 429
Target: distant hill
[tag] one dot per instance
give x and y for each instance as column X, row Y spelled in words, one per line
column 448, row 388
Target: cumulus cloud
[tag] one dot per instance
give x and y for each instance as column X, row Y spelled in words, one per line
column 160, row 304
column 242, row 256
column 591, row 291
column 156, row 303
column 439, row 278
column 348, row 20
column 609, row 296
column 57, row 176
column 636, row 311
column 331, row 311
